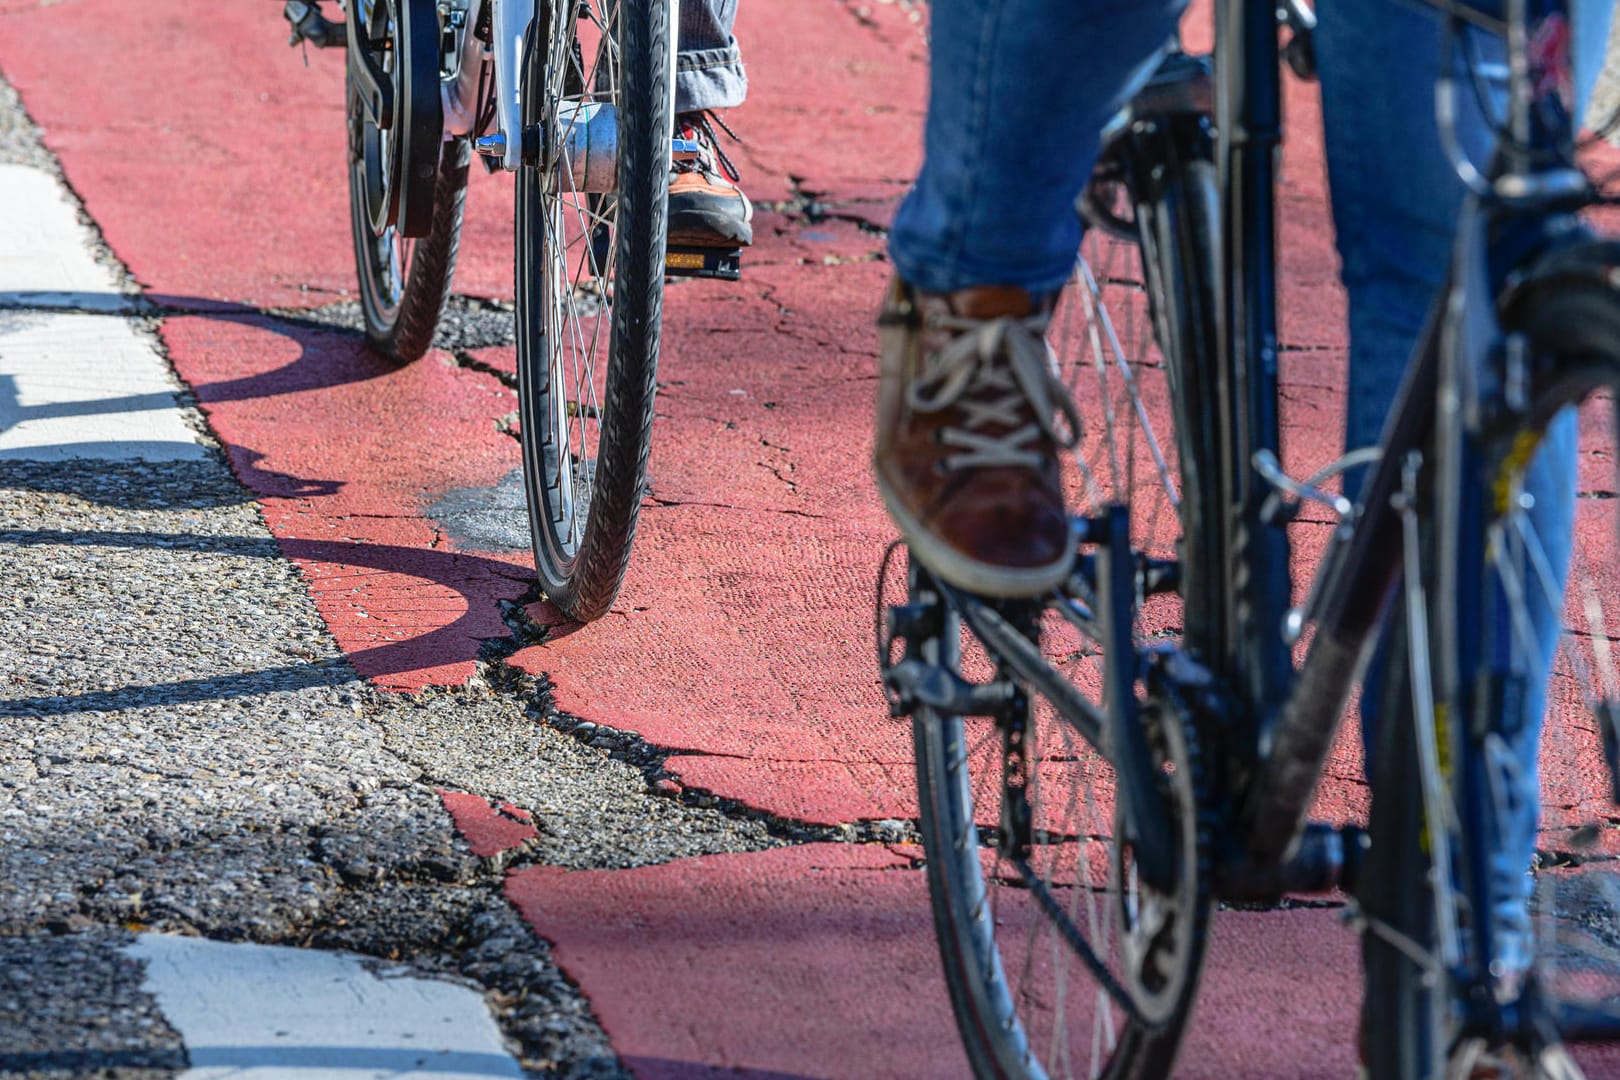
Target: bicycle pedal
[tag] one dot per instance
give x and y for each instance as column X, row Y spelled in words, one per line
column 724, row 264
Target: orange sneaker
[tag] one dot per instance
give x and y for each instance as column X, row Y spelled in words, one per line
column 706, row 207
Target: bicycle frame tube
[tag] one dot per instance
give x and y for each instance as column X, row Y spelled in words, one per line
column 509, row 23
column 1481, row 673
column 1455, row 351
column 459, row 93
column 1364, row 566
column 1249, row 126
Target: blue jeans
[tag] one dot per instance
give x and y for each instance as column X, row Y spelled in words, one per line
column 708, row 65
column 1018, row 91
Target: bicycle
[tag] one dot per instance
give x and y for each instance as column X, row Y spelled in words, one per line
column 576, row 99
column 1097, row 768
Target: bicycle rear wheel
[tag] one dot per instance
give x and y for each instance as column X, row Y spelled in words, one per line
column 590, row 285
column 1028, row 1001
column 405, row 282
column 1449, row 785
column 407, row 187
column 1061, row 960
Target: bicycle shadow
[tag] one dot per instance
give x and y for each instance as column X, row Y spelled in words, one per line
column 479, row 582
column 327, row 356
column 316, row 367
column 330, row 354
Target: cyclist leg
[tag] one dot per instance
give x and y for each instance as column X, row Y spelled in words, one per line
column 1395, row 201
column 1011, row 135
column 708, row 63
column 707, row 208
column 966, row 453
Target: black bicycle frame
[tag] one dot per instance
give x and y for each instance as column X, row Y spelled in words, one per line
column 1287, row 719
column 1248, row 119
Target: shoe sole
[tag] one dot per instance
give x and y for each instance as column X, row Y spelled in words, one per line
column 970, row 575
column 709, row 221
column 700, row 233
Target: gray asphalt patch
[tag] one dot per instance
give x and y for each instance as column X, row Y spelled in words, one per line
column 485, row 519
column 186, row 750
column 73, row 1005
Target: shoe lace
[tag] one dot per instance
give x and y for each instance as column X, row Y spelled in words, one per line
column 995, row 372
column 701, row 124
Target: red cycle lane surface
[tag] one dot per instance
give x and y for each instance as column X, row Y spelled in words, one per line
column 212, row 159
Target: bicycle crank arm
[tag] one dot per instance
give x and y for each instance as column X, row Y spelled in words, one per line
column 1146, row 817
column 1326, row 858
column 376, row 89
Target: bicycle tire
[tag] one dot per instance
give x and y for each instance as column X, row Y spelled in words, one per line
column 584, row 500
column 407, row 188
column 1178, row 237
column 401, row 316
column 1408, row 1014
column 992, row 1037
column 1400, row 1000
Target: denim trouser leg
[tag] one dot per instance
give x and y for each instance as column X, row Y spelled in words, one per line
column 708, row 65
column 1395, row 205
column 1018, row 90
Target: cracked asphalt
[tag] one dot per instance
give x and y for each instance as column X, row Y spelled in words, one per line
column 188, row 751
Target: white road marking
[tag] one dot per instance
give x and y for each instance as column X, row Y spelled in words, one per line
column 73, row 385
column 260, row 1012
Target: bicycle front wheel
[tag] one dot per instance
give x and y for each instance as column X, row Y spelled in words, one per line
column 590, row 285
column 1515, row 648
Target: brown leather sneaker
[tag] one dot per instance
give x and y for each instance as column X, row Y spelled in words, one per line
column 706, row 207
column 968, row 440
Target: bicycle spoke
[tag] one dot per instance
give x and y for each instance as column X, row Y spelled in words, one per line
column 1093, row 296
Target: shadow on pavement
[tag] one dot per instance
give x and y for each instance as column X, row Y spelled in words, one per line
column 455, row 642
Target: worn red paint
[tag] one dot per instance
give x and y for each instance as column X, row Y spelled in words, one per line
column 488, row 830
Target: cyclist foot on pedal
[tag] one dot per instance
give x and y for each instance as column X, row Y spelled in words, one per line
column 706, row 207
column 968, row 437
